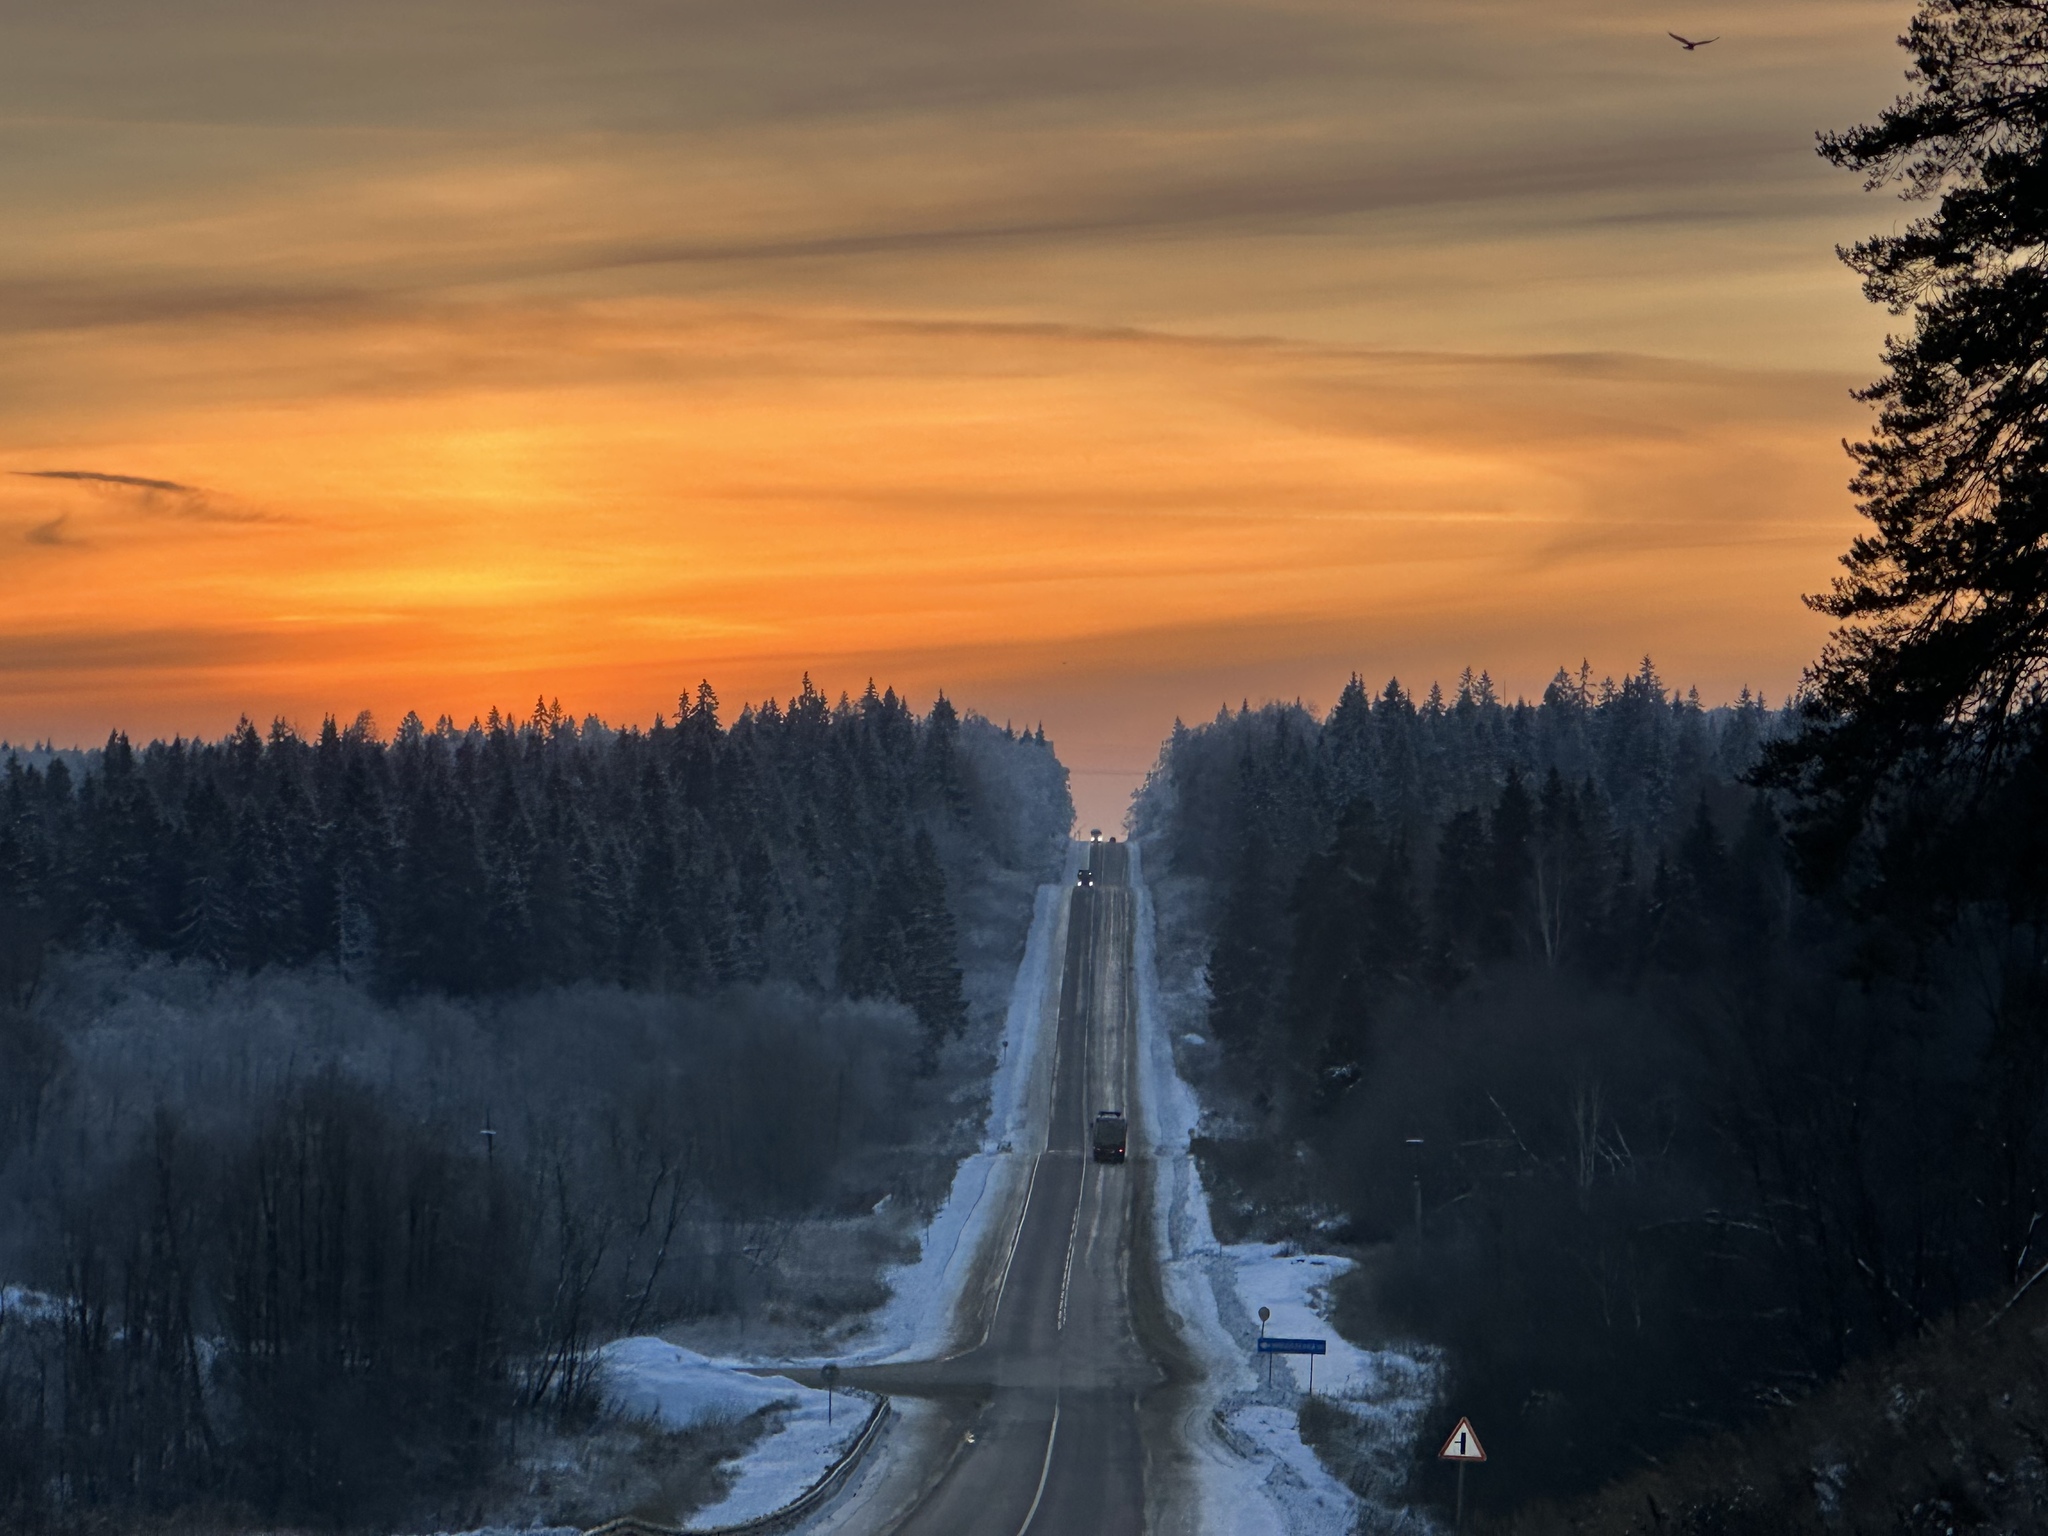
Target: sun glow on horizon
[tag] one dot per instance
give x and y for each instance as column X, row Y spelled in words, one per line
column 1092, row 406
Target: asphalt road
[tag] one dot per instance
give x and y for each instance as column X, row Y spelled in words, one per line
column 1043, row 1424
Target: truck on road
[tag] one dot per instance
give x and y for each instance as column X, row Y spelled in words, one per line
column 1111, row 1133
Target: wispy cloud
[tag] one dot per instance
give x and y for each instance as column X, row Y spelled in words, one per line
column 65, row 302
column 172, row 498
column 98, row 478
column 51, row 534
column 66, row 657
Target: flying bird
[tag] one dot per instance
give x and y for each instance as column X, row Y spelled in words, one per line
column 1688, row 44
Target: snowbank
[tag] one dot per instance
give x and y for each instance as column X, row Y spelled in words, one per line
column 27, row 1306
column 653, row 1379
column 780, row 1469
column 1255, row 1476
column 1295, row 1288
column 649, row 1378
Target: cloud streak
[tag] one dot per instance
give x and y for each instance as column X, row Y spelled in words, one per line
column 169, row 498
column 94, row 477
column 51, row 535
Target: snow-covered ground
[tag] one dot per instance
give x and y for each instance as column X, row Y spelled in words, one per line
column 29, row 1306
column 1256, row 1478
column 652, row 1379
column 1294, row 1287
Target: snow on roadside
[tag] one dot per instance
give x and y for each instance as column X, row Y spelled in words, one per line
column 780, row 1469
column 1388, row 1390
column 1388, row 1384
column 1294, row 1287
column 653, row 1377
column 918, row 1319
column 25, row 1305
column 1255, row 1475
column 649, row 1378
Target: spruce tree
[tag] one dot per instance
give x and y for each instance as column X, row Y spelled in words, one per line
column 1330, row 987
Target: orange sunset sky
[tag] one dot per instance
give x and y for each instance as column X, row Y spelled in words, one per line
column 1096, row 363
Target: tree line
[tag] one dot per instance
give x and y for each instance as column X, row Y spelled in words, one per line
column 812, row 844
column 353, row 1090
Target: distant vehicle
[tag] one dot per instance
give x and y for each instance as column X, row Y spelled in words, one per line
column 1095, row 835
column 1086, row 880
column 1111, row 1131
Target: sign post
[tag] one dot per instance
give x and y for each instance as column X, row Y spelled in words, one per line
column 1265, row 1317
column 1269, row 1347
column 828, row 1374
column 1463, row 1447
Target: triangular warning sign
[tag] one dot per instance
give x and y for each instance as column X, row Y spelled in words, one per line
column 1463, row 1445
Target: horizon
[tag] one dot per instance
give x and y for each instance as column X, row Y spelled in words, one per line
column 1102, row 795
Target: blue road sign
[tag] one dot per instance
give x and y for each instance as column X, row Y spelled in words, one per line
column 1293, row 1347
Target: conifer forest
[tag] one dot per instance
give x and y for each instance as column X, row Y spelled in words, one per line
column 1657, row 1122
column 353, row 1089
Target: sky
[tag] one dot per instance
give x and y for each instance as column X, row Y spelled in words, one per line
column 1096, row 364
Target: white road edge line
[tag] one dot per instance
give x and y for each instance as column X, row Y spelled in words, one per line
column 1073, row 1230
column 1044, row 1472
column 1010, row 1258
column 1094, row 1227
column 1125, row 1001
